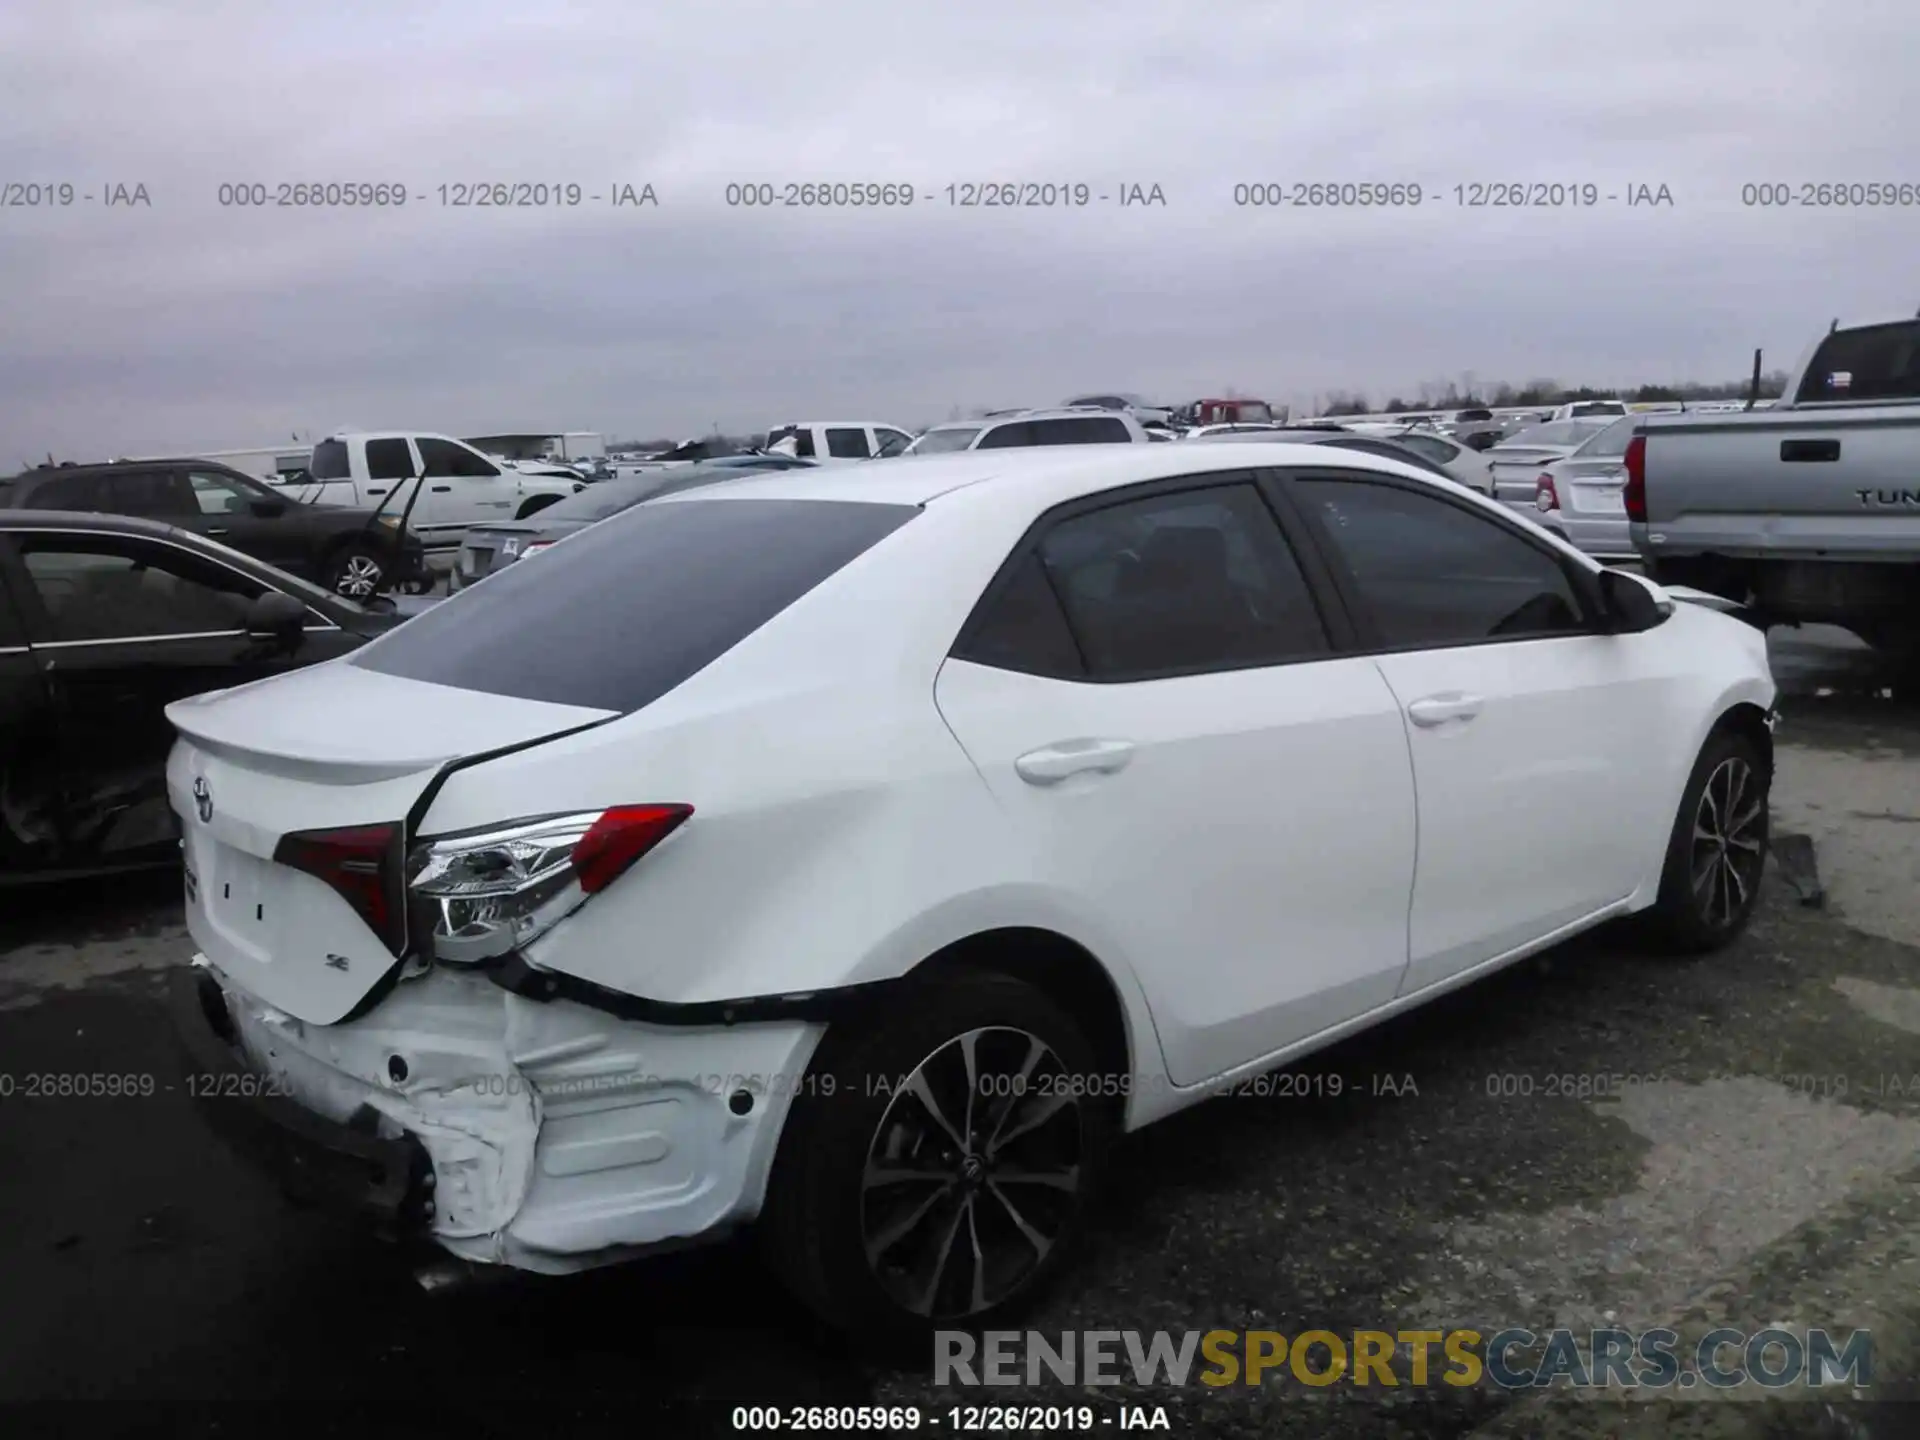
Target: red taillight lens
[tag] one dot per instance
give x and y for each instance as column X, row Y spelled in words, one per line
column 1544, row 495
column 1636, row 490
column 362, row 865
column 620, row 837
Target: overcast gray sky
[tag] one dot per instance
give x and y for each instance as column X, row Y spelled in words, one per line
column 185, row 324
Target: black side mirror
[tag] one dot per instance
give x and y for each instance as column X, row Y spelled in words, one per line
column 276, row 616
column 1631, row 606
column 267, row 506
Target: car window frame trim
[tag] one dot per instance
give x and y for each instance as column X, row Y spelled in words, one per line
column 1334, row 621
column 1584, row 583
column 35, row 610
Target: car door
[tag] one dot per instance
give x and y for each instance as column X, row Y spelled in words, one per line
column 463, row 488
column 1524, row 716
column 28, row 811
column 120, row 627
column 250, row 519
column 1222, row 800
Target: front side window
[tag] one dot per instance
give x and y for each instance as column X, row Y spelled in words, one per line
column 1432, row 573
column 389, row 460
column 120, row 588
column 330, row 461
column 891, row 442
column 847, row 443
column 1182, row 582
column 218, row 494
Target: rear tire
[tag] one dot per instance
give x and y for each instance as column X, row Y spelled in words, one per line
column 1717, row 851
column 891, row 1218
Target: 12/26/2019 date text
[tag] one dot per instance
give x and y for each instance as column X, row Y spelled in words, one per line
column 1468, row 195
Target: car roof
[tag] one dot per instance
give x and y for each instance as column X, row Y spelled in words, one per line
column 109, row 467
column 92, row 520
column 1049, row 474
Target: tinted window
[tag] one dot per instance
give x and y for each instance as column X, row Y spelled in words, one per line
column 803, row 442
column 1020, row 626
column 1014, row 435
column 892, row 442
column 389, row 460
column 1879, row 362
column 442, row 458
column 847, row 444
column 329, row 461
column 1610, row 443
column 1094, row 430
column 1597, row 407
column 68, row 492
column 642, row 601
column 1195, row 580
column 1433, row 573
column 115, row 588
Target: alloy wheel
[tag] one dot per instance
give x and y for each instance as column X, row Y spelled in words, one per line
column 974, row 1173
column 359, row 577
column 1728, row 848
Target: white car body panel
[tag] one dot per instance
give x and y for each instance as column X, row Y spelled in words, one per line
column 1282, row 857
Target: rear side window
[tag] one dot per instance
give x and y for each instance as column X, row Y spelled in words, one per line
column 389, row 460
column 329, row 461
column 1020, row 626
column 1014, row 435
column 68, row 492
column 847, row 444
column 1182, row 582
column 641, row 602
column 1094, row 430
column 1877, row 362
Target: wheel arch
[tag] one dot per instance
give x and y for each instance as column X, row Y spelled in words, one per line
column 534, row 504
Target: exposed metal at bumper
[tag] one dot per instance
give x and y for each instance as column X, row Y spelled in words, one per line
column 348, row 1164
column 555, row 1136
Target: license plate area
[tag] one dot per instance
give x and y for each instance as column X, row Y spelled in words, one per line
column 1599, row 502
column 235, row 890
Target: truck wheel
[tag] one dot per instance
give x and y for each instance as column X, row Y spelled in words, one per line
column 934, row 1170
column 536, row 505
column 1717, row 850
column 355, row 571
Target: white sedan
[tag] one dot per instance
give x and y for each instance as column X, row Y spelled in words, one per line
column 860, row 855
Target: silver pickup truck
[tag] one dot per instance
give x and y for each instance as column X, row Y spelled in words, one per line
column 1807, row 511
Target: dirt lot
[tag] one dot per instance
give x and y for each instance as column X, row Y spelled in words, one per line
column 1766, row 1169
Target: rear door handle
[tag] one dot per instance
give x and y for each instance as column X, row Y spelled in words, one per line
column 1439, row 709
column 441, row 489
column 1810, row 451
column 221, row 531
column 380, row 491
column 1054, row 763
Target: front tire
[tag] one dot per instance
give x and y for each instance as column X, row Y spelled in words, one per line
column 940, row 1178
column 1717, row 850
column 356, row 571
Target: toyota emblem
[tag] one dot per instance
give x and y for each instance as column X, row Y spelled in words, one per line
column 203, row 799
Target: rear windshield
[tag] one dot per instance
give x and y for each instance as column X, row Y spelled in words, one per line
column 640, row 602
column 1875, row 362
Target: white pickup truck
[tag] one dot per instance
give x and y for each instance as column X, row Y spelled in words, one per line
column 1807, row 511
column 462, row 486
column 841, row 439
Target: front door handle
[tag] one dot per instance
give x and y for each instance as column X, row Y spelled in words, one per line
column 1439, row 709
column 221, row 531
column 441, row 489
column 1054, row 763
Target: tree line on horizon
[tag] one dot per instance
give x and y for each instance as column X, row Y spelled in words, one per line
column 1548, row 392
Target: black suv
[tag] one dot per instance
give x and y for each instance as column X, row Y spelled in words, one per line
column 352, row 551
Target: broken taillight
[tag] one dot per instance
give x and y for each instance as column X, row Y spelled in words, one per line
column 490, row 891
column 362, row 865
column 1545, row 497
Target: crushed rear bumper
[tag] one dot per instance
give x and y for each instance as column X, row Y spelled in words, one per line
column 346, row 1166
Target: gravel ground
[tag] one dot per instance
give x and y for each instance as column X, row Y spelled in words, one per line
column 1763, row 1167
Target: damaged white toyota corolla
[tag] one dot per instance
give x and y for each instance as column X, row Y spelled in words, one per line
column 861, row 854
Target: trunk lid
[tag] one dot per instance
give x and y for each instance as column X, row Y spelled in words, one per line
column 324, row 748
